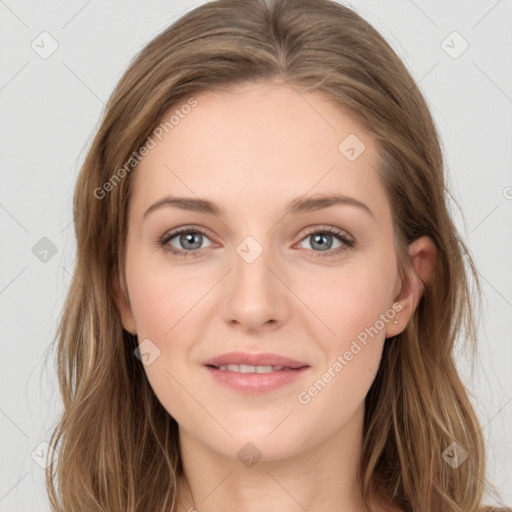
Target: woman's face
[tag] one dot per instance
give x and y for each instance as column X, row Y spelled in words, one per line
column 253, row 277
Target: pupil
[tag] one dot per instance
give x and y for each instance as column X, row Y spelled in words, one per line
column 189, row 237
column 320, row 237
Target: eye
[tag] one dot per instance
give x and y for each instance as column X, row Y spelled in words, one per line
column 189, row 238
column 321, row 238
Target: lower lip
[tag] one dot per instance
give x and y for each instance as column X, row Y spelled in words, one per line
column 256, row 382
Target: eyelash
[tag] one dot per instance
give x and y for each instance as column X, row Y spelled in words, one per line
column 347, row 243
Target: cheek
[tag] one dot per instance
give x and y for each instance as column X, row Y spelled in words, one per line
column 163, row 297
column 356, row 307
column 351, row 299
column 357, row 310
column 165, row 304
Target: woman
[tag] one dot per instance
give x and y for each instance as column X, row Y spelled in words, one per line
column 251, row 371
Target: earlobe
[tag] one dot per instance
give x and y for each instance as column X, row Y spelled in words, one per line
column 123, row 305
column 422, row 253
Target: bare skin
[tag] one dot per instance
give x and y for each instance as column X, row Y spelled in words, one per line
column 251, row 152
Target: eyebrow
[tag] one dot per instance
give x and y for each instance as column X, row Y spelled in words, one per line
column 296, row 206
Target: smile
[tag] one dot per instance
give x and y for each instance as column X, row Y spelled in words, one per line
column 253, row 380
column 249, row 368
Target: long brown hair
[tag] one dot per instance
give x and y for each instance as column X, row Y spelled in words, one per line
column 117, row 446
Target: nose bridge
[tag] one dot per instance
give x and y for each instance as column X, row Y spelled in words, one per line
column 253, row 251
column 253, row 257
column 254, row 295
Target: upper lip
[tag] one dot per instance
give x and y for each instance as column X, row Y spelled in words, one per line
column 263, row 359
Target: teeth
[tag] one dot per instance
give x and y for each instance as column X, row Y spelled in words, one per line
column 249, row 368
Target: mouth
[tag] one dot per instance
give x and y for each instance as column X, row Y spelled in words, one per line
column 249, row 368
column 255, row 373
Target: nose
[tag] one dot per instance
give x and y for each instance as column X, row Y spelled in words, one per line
column 256, row 295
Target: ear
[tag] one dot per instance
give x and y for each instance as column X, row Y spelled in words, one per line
column 422, row 253
column 123, row 304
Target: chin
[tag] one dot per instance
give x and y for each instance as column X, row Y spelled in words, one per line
column 257, row 444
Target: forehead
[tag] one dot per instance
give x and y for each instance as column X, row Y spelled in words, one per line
column 259, row 142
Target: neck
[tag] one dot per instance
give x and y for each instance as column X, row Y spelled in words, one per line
column 322, row 479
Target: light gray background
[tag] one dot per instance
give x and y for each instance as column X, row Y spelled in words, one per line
column 51, row 106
